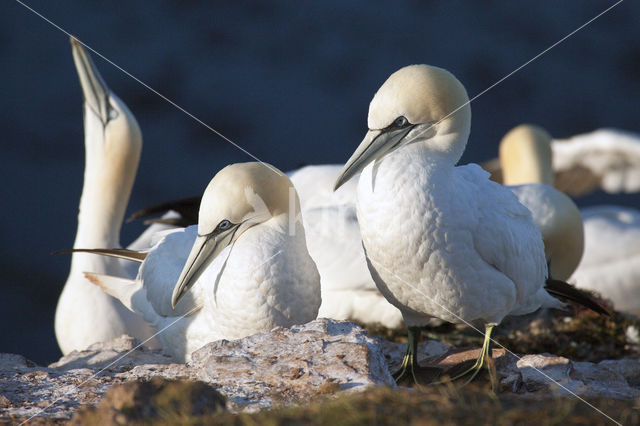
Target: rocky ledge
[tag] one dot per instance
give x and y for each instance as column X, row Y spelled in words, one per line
column 274, row 369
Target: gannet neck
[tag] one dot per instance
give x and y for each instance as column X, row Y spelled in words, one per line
column 525, row 156
column 111, row 161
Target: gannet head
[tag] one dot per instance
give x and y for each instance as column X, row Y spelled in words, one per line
column 111, row 131
column 416, row 103
column 525, row 156
column 239, row 197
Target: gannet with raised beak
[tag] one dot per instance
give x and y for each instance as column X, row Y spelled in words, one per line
column 440, row 240
column 243, row 269
column 85, row 315
column 525, row 159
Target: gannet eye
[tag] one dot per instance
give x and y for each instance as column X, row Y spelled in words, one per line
column 224, row 225
column 113, row 113
column 400, row 121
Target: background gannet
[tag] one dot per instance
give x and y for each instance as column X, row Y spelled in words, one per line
column 606, row 159
column 334, row 242
column 85, row 315
column 611, row 235
column 441, row 240
column 611, row 261
column 246, row 265
column 525, row 159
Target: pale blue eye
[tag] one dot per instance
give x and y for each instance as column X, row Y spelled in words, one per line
column 400, row 121
column 225, row 224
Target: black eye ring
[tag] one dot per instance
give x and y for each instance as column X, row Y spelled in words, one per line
column 400, row 121
column 225, row 224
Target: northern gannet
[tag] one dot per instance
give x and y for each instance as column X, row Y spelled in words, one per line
column 334, row 243
column 525, row 158
column 440, row 240
column 610, row 237
column 606, row 159
column 243, row 269
column 85, row 315
column 611, row 261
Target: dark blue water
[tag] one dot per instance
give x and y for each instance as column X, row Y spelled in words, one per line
column 288, row 81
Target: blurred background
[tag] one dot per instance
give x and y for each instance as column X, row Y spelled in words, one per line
column 288, row 81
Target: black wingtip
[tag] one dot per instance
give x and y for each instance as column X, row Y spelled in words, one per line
column 563, row 290
column 187, row 208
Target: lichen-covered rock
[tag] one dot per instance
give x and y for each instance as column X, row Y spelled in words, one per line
column 286, row 365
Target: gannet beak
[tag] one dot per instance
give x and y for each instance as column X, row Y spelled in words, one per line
column 375, row 144
column 94, row 89
column 204, row 250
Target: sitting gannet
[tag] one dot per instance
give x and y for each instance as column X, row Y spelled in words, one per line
column 85, row 315
column 606, row 159
column 525, row 158
column 611, row 262
column 333, row 239
column 440, row 240
column 246, row 264
column 611, row 236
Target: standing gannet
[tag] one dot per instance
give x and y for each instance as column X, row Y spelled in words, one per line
column 440, row 240
column 243, row 269
column 85, row 315
column 525, row 159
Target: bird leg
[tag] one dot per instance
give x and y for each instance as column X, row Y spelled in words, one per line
column 485, row 355
column 410, row 360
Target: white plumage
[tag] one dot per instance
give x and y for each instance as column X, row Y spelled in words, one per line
column 611, row 262
column 246, row 263
column 113, row 142
column 526, row 162
column 335, row 244
column 440, row 240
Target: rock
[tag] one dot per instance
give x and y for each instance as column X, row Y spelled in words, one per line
column 152, row 400
column 276, row 368
column 540, row 375
column 287, row 365
column 111, row 354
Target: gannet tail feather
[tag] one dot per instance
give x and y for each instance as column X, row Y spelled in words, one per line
column 132, row 255
column 187, row 208
column 122, row 289
column 563, row 290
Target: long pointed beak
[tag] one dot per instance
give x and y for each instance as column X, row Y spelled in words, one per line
column 205, row 249
column 94, row 89
column 375, row 144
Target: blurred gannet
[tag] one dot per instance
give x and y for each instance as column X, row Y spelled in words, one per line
column 525, row 158
column 85, row 315
column 441, row 240
column 606, row 159
column 246, row 263
column 611, row 262
column 611, row 236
